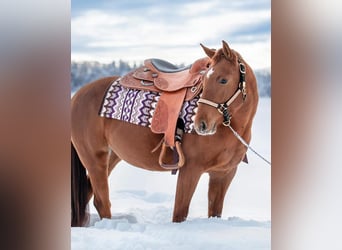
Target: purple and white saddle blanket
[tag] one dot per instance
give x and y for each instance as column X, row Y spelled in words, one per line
column 137, row 106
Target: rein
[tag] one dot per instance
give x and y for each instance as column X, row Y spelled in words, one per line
column 223, row 107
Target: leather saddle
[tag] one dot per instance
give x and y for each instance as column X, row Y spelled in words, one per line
column 175, row 85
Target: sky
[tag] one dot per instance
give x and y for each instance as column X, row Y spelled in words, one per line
column 107, row 31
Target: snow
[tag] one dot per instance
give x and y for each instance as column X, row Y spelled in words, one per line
column 232, row 233
column 142, row 204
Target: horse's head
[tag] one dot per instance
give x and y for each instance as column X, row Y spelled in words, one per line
column 223, row 88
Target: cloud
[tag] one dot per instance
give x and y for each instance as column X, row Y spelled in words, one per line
column 171, row 31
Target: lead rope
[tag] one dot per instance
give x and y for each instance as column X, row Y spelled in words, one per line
column 246, row 144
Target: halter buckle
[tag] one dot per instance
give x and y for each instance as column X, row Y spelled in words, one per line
column 242, row 68
column 242, row 87
column 223, row 109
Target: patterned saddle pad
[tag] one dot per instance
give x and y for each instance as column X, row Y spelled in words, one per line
column 137, row 106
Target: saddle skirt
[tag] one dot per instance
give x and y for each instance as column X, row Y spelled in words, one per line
column 138, row 106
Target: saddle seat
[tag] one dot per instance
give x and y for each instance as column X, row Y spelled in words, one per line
column 167, row 67
column 175, row 85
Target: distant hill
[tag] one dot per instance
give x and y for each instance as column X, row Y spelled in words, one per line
column 85, row 72
column 264, row 82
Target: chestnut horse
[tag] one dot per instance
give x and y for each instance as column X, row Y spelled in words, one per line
column 229, row 95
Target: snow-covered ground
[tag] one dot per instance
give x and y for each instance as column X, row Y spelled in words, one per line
column 142, row 204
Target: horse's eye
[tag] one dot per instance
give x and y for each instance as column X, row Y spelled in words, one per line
column 223, row 81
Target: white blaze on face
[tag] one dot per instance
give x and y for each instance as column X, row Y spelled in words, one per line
column 210, row 71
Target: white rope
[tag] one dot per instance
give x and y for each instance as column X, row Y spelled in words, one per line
column 246, row 144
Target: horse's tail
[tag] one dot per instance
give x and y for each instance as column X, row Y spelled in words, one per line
column 80, row 186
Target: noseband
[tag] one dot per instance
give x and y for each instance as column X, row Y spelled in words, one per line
column 223, row 107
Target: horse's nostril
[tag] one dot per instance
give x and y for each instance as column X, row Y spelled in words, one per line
column 203, row 126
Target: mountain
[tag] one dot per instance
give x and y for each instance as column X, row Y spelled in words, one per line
column 85, row 72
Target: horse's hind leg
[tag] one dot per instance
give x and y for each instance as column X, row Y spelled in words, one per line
column 99, row 179
column 97, row 166
column 88, row 138
column 218, row 185
column 112, row 162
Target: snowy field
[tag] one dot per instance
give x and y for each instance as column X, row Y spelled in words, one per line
column 142, row 204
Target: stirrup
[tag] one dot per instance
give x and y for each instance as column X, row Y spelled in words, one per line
column 178, row 158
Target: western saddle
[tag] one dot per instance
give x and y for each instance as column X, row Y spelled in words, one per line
column 175, row 85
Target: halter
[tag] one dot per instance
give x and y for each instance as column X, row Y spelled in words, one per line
column 223, row 107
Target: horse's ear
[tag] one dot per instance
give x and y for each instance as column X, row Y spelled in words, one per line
column 227, row 51
column 209, row 52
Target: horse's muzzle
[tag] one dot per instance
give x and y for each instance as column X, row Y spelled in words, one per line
column 202, row 128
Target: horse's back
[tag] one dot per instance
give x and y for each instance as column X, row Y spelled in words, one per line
column 86, row 124
column 92, row 93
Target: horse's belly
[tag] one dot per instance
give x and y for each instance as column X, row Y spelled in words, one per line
column 134, row 144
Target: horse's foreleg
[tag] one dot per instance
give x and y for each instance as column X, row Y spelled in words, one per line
column 218, row 185
column 186, row 185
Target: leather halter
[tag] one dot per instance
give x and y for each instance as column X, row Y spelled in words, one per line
column 223, row 107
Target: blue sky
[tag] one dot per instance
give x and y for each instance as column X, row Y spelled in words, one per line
column 135, row 30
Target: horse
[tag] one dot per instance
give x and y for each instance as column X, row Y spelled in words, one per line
column 228, row 96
